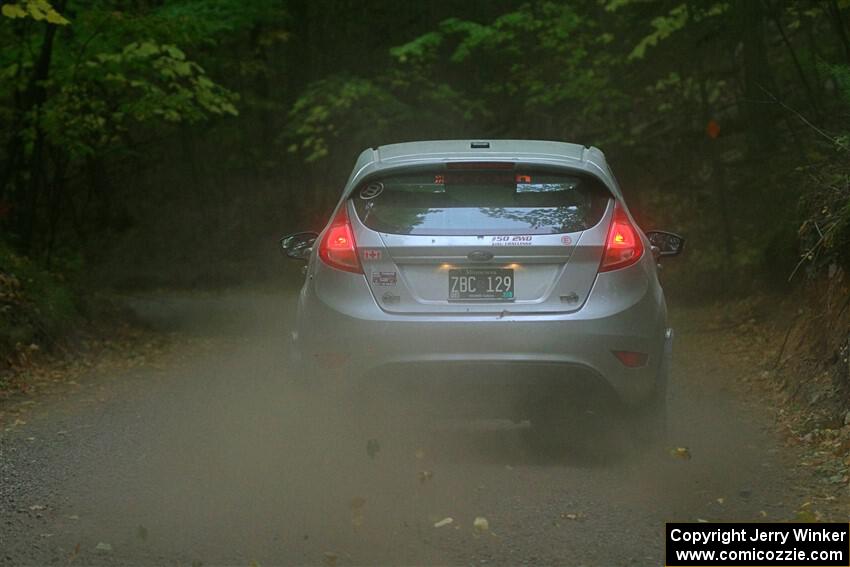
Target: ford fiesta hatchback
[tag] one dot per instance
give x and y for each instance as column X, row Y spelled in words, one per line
column 504, row 276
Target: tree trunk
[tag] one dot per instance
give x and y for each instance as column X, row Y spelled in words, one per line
column 721, row 191
column 776, row 16
column 838, row 25
column 757, row 79
column 26, row 192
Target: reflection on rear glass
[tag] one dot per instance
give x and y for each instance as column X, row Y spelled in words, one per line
column 481, row 203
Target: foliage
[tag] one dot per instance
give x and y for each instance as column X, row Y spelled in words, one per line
column 38, row 10
column 340, row 104
column 35, row 305
column 143, row 82
column 114, row 78
column 490, row 63
column 825, row 231
column 676, row 20
column 123, row 120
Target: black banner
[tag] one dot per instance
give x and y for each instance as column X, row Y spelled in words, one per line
column 758, row 545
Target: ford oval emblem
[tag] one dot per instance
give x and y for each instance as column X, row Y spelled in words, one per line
column 480, row 256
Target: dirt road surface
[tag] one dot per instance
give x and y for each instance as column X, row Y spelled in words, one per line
column 214, row 458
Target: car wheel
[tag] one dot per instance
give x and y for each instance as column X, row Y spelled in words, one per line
column 593, row 431
column 649, row 421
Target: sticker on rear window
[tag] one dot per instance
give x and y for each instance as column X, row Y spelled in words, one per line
column 371, row 191
column 384, row 278
column 518, row 240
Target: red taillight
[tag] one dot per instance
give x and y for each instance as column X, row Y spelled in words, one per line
column 631, row 359
column 338, row 248
column 624, row 246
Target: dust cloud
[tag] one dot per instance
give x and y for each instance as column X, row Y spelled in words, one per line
column 226, row 459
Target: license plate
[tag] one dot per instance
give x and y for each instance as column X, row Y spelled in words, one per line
column 481, row 283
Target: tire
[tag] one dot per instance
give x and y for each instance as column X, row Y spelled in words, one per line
column 650, row 421
column 600, row 436
column 605, row 429
column 564, row 429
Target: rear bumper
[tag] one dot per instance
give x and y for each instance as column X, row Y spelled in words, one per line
column 524, row 354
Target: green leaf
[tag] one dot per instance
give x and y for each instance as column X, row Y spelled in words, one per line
column 229, row 108
column 146, row 49
column 55, row 17
column 43, row 10
column 13, row 11
column 174, row 52
column 183, row 69
column 664, row 26
column 36, row 10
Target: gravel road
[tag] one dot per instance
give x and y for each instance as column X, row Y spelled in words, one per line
column 216, row 458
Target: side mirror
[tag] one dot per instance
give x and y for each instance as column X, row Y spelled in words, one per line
column 665, row 243
column 298, row 246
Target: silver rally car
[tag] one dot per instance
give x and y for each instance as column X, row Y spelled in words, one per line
column 502, row 274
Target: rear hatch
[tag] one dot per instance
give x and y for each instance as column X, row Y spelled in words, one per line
column 480, row 238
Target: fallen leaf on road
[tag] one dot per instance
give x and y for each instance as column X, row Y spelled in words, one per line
column 721, row 500
column 74, row 553
column 372, row 448
column 571, row 516
column 481, row 524
column 701, row 521
column 73, row 517
column 444, row 522
column 329, row 558
column 425, row 476
column 681, row 453
column 103, row 547
column 807, row 516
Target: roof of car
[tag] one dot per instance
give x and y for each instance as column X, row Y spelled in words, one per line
column 529, row 151
column 465, row 148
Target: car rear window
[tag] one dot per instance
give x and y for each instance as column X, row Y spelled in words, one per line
column 480, row 202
